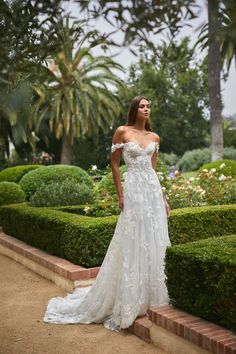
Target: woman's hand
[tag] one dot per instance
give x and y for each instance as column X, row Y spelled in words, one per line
column 121, row 202
column 167, row 209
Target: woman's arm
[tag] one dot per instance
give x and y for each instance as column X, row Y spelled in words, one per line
column 115, row 164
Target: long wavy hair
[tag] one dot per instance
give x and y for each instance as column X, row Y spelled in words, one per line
column 133, row 110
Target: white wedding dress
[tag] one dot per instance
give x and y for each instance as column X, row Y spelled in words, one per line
column 131, row 277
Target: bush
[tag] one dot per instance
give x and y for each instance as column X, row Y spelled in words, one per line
column 106, row 187
column 192, row 160
column 68, row 192
column 84, row 240
column 49, row 175
column 229, row 153
column 201, row 279
column 14, row 174
column 94, row 210
column 11, row 192
column 225, row 167
column 168, row 159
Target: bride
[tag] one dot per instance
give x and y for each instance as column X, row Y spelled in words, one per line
column 131, row 277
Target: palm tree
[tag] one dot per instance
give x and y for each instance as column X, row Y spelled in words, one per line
column 228, row 32
column 79, row 93
column 219, row 36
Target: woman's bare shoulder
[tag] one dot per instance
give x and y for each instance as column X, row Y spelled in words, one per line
column 156, row 137
column 119, row 133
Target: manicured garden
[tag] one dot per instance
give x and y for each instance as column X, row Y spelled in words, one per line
column 61, row 210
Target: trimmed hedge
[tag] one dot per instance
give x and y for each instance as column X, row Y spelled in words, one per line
column 84, row 240
column 15, row 173
column 35, row 180
column 192, row 224
column 201, row 278
column 10, row 193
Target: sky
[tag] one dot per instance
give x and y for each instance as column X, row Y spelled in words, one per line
column 125, row 57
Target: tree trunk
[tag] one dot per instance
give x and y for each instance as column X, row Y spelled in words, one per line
column 214, row 90
column 66, row 152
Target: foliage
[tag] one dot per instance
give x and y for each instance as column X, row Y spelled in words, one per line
column 145, row 17
column 193, row 159
column 34, row 180
column 216, row 185
column 201, row 278
column 168, row 159
column 106, row 187
column 229, row 153
column 84, row 240
column 225, row 167
column 15, row 173
column 95, row 210
column 79, row 93
column 10, row 193
column 67, row 192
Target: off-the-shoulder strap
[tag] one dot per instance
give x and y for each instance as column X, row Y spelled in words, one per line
column 114, row 147
column 157, row 145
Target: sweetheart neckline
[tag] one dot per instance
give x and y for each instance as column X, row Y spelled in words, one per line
column 134, row 142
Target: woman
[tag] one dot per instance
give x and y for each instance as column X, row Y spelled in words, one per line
column 131, row 277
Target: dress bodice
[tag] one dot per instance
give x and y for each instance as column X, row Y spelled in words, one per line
column 137, row 158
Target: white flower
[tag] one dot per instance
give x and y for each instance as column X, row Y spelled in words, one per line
column 191, row 179
column 163, row 188
column 205, row 170
column 86, row 209
column 222, row 165
column 94, row 168
column 213, row 170
column 222, row 177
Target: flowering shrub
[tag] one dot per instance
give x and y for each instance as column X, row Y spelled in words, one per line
column 209, row 187
column 42, row 158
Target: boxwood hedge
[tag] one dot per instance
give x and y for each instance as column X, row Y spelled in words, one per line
column 201, row 278
column 84, row 240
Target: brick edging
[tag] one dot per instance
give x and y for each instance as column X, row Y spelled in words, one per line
column 61, row 266
column 205, row 334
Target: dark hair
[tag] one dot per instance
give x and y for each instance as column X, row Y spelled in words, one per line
column 133, row 110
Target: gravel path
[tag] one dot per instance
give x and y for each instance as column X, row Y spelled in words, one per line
column 23, row 297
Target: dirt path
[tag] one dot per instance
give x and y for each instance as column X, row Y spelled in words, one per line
column 23, row 297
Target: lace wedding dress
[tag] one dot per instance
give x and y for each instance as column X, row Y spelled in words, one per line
column 131, row 277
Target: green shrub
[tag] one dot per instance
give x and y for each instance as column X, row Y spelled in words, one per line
column 201, row 279
column 11, row 192
column 229, row 153
column 225, row 167
column 192, row 224
column 106, row 187
column 15, row 173
column 192, row 160
column 208, row 187
column 95, row 210
column 84, row 240
column 67, row 192
column 168, row 159
column 39, row 178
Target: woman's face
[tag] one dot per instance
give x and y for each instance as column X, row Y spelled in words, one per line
column 143, row 110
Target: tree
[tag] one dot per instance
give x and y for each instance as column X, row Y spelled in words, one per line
column 79, row 94
column 27, row 31
column 140, row 18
